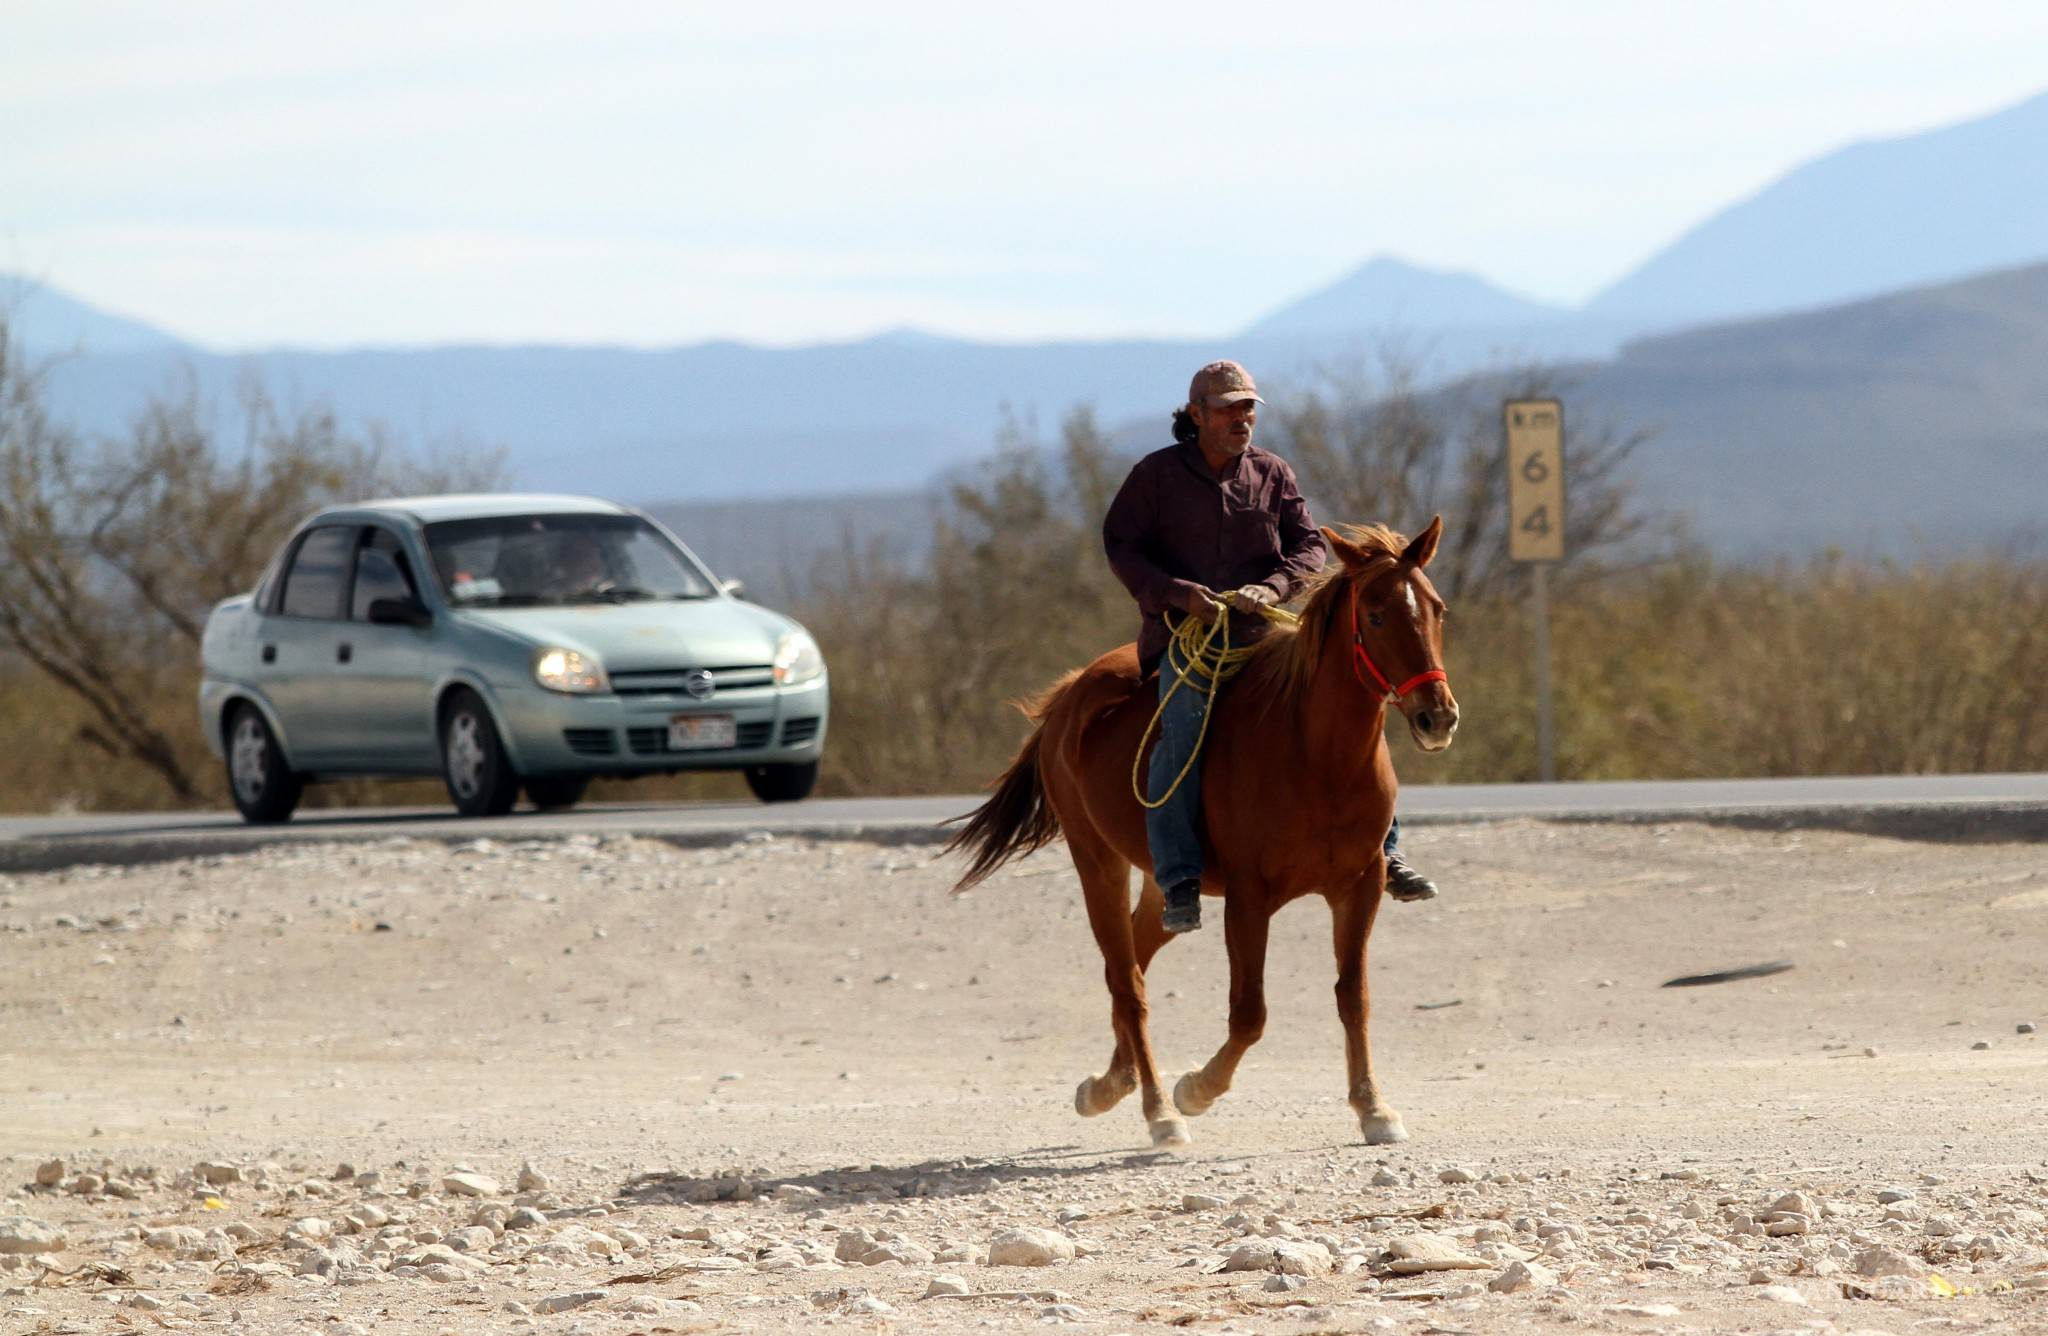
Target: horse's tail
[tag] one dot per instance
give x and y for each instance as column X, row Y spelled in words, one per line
column 1016, row 820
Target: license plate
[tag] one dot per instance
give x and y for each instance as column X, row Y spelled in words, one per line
column 701, row 732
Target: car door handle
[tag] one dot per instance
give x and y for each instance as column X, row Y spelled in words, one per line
column 270, row 654
column 345, row 653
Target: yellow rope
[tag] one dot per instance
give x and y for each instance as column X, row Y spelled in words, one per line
column 1205, row 652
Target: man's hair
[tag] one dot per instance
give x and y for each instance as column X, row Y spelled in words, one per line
column 1184, row 429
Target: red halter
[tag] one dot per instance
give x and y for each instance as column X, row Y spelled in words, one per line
column 1388, row 691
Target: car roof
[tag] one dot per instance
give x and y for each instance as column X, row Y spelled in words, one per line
column 482, row 505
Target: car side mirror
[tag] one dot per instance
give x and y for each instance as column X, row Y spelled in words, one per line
column 737, row 588
column 400, row 612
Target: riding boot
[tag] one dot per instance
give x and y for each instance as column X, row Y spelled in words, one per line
column 1405, row 883
column 1183, row 912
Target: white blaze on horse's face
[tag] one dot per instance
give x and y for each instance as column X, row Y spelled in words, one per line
column 1397, row 623
column 1430, row 709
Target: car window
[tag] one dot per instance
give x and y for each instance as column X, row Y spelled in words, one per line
column 382, row 571
column 318, row 578
column 546, row 559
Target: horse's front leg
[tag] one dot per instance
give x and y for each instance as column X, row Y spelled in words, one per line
column 1246, row 916
column 1351, row 916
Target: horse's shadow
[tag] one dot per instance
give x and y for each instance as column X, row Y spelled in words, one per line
column 865, row 1185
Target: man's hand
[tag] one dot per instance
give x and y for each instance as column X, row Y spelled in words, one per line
column 1250, row 598
column 1201, row 604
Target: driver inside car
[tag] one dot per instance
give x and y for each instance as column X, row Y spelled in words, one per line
column 579, row 566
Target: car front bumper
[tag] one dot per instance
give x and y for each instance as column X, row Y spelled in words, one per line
column 549, row 733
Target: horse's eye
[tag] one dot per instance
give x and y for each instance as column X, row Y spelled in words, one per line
column 1374, row 619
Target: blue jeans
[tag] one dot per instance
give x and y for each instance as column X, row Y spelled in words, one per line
column 1174, row 831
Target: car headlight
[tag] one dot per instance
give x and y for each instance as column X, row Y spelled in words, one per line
column 570, row 671
column 797, row 659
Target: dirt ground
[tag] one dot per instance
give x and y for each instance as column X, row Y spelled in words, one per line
column 781, row 1086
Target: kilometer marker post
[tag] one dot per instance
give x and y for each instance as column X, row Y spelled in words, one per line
column 1535, row 459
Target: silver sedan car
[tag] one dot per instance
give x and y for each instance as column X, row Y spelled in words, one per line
column 502, row 642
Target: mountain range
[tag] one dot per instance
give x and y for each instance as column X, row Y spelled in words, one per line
column 1819, row 362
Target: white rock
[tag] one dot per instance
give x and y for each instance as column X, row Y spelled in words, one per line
column 1890, row 1195
column 532, row 1179
column 643, row 1305
column 945, row 1284
column 474, row 1238
column 1251, row 1255
column 1299, row 1257
column 1413, row 1254
column 525, row 1218
column 1285, row 1284
column 1457, row 1175
column 1521, row 1276
column 1029, row 1247
column 175, row 1239
column 1780, row 1294
column 1201, row 1201
column 49, row 1173
column 20, row 1234
column 562, row 1303
column 1385, row 1178
column 1888, row 1262
column 1794, row 1203
column 469, row 1185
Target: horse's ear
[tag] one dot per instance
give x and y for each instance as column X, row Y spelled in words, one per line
column 1351, row 554
column 1424, row 547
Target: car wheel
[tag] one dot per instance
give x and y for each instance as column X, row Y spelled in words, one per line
column 264, row 788
column 473, row 760
column 553, row 793
column 783, row 783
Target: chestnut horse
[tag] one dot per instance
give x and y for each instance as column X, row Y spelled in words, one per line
column 1297, row 795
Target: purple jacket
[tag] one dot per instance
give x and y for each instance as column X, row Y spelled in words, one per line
column 1174, row 525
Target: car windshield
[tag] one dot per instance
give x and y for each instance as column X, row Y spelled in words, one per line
column 531, row 560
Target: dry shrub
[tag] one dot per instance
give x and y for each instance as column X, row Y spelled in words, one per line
column 1828, row 668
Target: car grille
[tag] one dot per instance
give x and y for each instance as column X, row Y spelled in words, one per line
column 669, row 681
column 753, row 736
column 591, row 741
column 796, row 732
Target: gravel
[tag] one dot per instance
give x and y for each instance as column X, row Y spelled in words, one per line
column 265, row 1112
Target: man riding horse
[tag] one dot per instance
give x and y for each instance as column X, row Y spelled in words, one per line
column 1208, row 523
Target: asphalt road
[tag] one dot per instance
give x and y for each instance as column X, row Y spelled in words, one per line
column 1952, row 807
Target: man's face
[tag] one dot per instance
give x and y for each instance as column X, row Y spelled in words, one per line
column 582, row 561
column 1225, row 430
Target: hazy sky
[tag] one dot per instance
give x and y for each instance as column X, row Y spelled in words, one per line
column 405, row 173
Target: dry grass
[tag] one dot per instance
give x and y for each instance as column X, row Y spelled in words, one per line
column 1686, row 672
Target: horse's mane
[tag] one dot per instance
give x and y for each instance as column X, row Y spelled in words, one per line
column 1280, row 667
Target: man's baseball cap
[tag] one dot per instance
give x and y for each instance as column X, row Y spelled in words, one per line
column 1221, row 383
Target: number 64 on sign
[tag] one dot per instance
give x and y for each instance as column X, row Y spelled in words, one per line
column 1535, row 432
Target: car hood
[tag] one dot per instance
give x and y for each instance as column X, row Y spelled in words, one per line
column 642, row 637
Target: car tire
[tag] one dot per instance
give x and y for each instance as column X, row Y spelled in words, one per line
column 265, row 790
column 479, row 775
column 555, row 793
column 784, row 783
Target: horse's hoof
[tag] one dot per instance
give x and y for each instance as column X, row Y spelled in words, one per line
column 1383, row 1130
column 1184, row 1097
column 1084, row 1098
column 1169, row 1133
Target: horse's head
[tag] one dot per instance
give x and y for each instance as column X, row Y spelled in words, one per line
column 1389, row 621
